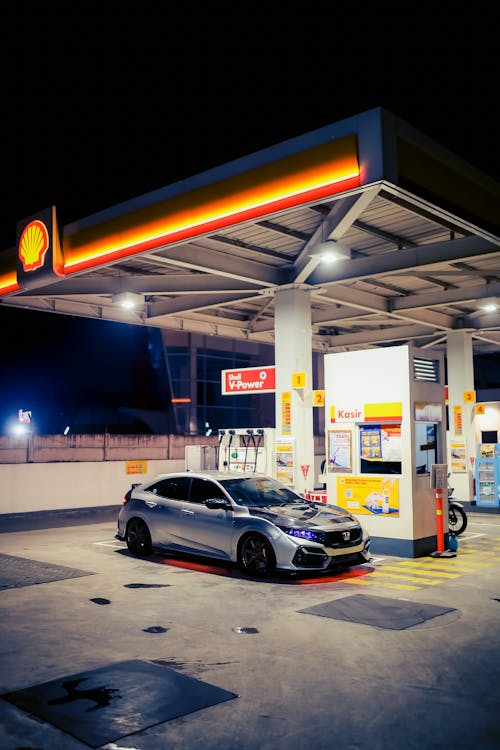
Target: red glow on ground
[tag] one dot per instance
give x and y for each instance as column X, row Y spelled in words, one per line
column 200, row 567
column 329, row 578
column 234, row 573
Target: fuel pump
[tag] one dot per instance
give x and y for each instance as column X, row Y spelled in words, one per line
column 247, row 450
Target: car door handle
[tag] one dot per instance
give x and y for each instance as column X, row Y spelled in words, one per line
column 187, row 512
column 150, row 503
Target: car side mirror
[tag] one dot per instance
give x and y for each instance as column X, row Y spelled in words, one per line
column 218, row 503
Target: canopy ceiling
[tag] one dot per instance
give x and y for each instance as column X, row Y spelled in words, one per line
column 420, row 251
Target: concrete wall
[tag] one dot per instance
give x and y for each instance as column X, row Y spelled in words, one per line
column 57, row 472
column 28, row 488
column 65, row 472
column 49, row 448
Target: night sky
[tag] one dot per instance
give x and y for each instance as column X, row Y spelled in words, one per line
column 99, row 105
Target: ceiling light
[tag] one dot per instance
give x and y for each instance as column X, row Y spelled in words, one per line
column 488, row 305
column 128, row 300
column 330, row 251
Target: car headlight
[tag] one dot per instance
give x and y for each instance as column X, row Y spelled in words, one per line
column 307, row 534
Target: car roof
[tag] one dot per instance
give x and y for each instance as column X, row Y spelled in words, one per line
column 212, row 474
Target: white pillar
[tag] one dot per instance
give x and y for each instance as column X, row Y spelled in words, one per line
column 460, row 361
column 293, row 355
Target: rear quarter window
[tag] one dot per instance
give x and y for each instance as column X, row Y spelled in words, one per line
column 174, row 488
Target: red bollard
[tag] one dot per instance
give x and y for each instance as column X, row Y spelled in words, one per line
column 439, row 520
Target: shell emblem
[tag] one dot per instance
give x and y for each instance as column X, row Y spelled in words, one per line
column 33, row 245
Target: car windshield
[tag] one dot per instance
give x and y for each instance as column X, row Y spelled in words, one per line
column 260, row 492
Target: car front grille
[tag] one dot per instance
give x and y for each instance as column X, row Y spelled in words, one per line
column 352, row 558
column 338, row 539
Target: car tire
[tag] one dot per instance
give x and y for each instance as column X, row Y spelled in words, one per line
column 256, row 556
column 138, row 538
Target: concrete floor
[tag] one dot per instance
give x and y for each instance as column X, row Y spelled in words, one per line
column 301, row 680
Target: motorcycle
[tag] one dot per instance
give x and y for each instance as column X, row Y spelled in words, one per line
column 457, row 517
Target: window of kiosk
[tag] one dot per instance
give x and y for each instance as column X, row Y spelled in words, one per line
column 426, row 442
column 380, row 448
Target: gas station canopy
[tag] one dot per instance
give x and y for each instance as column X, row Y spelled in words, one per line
column 396, row 239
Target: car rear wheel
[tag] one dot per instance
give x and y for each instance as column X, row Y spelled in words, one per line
column 256, row 555
column 138, row 538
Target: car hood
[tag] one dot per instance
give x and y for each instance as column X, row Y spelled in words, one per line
column 304, row 516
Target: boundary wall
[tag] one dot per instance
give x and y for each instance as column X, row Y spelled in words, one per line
column 40, row 473
column 47, row 473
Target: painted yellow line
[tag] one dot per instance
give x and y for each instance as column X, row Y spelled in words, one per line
column 463, row 566
column 473, row 563
column 427, row 572
column 400, row 586
column 387, row 584
column 403, row 577
column 444, row 564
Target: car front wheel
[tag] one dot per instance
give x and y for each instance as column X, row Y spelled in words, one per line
column 138, row 538
column 256, row 556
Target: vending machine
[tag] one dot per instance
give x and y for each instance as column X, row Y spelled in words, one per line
column 488, row 475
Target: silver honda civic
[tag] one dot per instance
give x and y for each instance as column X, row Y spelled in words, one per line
column 249, row 519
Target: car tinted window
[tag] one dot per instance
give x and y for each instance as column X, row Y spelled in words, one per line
column 175, row 488
column 204, row 489
column 260, row 492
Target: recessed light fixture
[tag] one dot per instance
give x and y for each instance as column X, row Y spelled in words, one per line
column 128, row 300
column 330, row 251
column 488, row 305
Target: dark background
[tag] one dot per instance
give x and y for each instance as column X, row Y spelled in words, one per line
column 101, row 103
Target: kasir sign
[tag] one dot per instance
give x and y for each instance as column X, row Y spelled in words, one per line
column 248, row 380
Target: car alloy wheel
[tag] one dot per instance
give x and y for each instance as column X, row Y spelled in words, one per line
column 256, row 555
column 138, row 538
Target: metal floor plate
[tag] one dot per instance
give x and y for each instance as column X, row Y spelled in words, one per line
column 378, row 611
column 112, row 702
column 20, row 571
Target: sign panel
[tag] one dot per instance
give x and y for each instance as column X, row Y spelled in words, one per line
column 371, row 496
column 298, row 380
column 346, row 414
column 136, row 467
column 340, row 450
column 458, row 458
column 285, row 460
column 286, row 413
column 318, row 398
column 248, row 380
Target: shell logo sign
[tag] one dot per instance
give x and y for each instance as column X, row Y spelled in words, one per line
column 39, row 252
column 33, row 245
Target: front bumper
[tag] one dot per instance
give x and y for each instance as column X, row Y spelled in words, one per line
column 308, row 557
